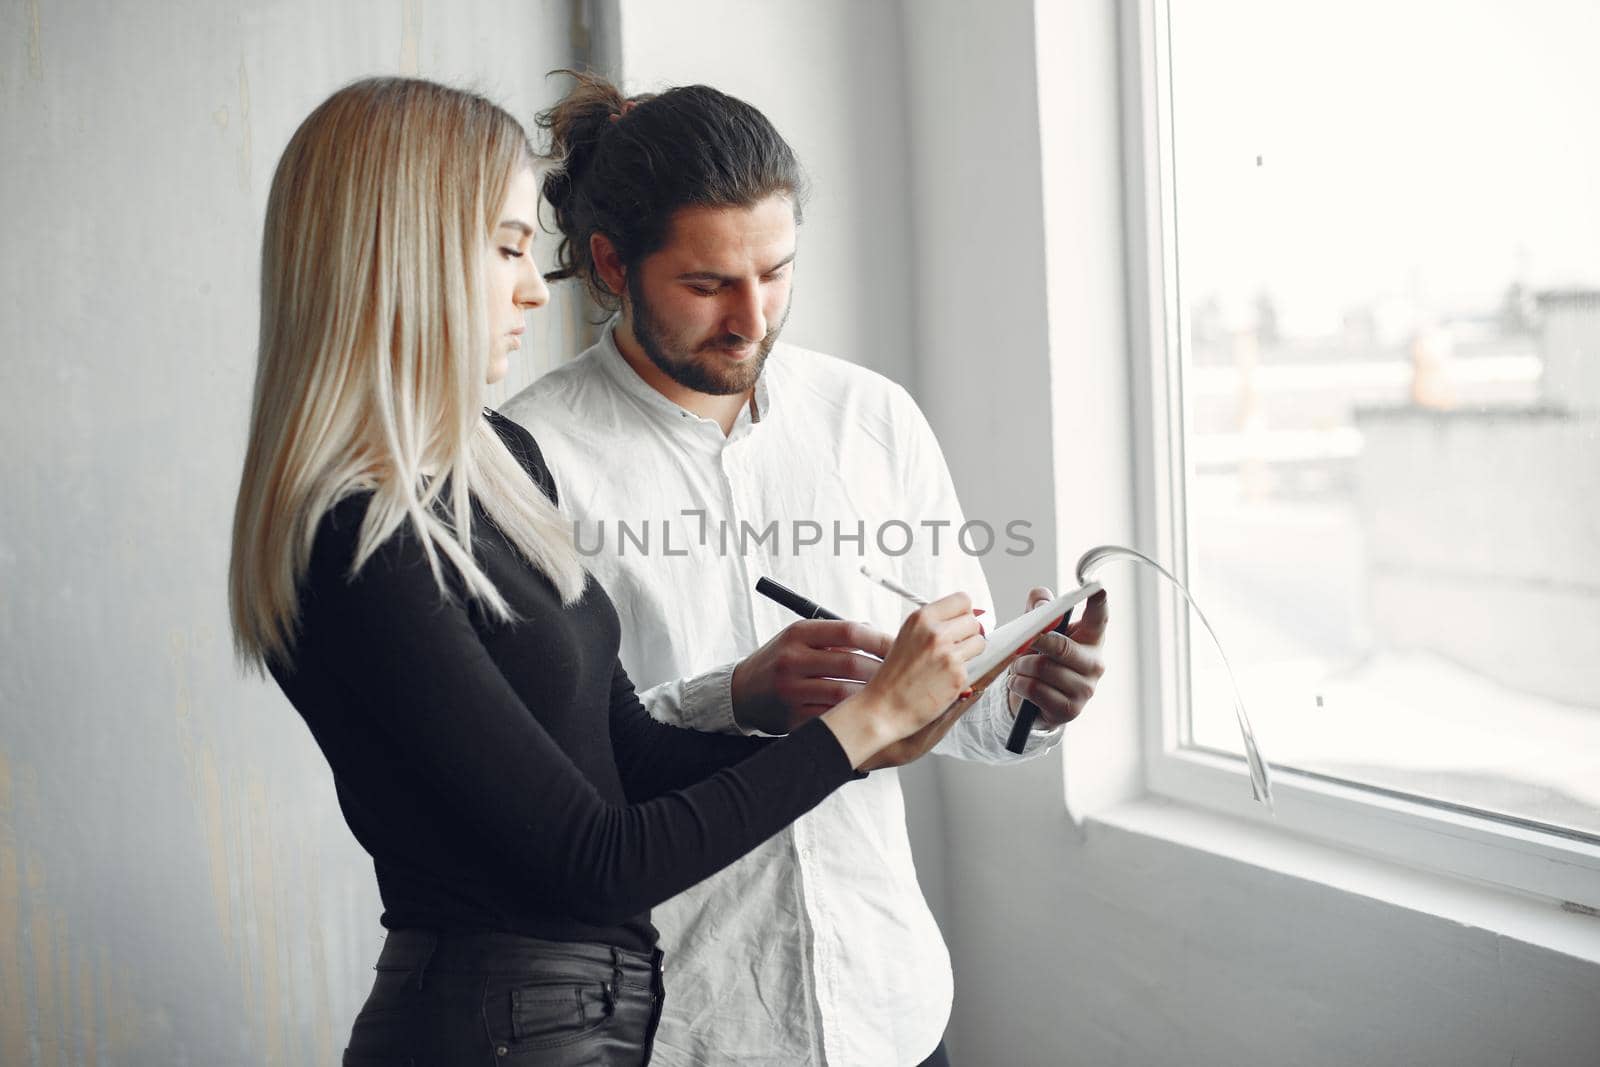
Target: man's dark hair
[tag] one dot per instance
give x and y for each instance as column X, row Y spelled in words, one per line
column 625, row 165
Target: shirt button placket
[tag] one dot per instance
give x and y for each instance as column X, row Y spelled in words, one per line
column 732, row 478
column 824, row 936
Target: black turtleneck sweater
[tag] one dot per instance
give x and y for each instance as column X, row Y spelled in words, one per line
column 504, row 776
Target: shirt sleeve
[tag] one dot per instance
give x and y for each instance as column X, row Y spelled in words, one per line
column 982, row 733
column 410, row 661
column 702, row 702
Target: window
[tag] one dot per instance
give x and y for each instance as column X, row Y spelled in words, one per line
column 1368, row 244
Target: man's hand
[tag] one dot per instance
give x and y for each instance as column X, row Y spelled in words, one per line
column 1061, row 673
column 803, row 671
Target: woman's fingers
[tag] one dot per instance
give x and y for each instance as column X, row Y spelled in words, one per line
column 948, row 607
column 969, row 647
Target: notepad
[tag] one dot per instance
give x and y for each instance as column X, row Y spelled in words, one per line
column 1016, row 637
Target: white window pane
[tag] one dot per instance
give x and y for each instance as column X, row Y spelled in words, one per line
column 1388, row 252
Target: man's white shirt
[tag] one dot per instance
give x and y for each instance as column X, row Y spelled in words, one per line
column 816, row 947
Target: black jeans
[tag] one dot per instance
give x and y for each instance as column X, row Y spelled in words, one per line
column 506, row 1000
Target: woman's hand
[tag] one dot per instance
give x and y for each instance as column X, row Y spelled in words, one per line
column 919, row 744
column 923, row 674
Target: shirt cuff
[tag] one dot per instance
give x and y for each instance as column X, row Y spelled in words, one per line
column 711, row 696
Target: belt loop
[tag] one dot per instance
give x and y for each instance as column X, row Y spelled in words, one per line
column 616, row 979
column 427, row 956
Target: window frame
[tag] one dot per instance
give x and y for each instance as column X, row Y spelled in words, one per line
column 1453, row 839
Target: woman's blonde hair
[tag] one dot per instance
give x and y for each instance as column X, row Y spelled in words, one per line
column 374, row 350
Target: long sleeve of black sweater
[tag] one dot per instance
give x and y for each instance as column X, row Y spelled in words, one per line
column 478, row 760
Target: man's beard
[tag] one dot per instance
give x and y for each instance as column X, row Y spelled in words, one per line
column 686, row 366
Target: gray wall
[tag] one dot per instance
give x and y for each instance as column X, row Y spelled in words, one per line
column 176, row 882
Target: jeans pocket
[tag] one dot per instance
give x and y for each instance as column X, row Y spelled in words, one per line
column 385, row 1028
column 547, row 1013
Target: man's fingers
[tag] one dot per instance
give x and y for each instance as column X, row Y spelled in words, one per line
column 1055, row 707
column 1083, row 658
column 868, row 639
column 841, row 633
column 1060, row 675
column 1067, row 682
column 825, row 692
column 843, row 663
column 1090, row 629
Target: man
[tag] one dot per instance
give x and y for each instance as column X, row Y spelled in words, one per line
column 697, row 454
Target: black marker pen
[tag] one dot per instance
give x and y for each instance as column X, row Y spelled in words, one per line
column 806, row 609
column 1022, row 726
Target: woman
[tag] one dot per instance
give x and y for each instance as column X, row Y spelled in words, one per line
column 401, row 569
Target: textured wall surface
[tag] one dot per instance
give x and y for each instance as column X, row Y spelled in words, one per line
column 176, row 882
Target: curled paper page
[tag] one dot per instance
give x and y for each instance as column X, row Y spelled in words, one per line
column 1260, row 780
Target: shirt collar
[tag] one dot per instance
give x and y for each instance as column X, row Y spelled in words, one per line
column 627, row 379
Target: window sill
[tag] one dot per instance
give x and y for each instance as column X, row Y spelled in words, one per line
column 1536, row 921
